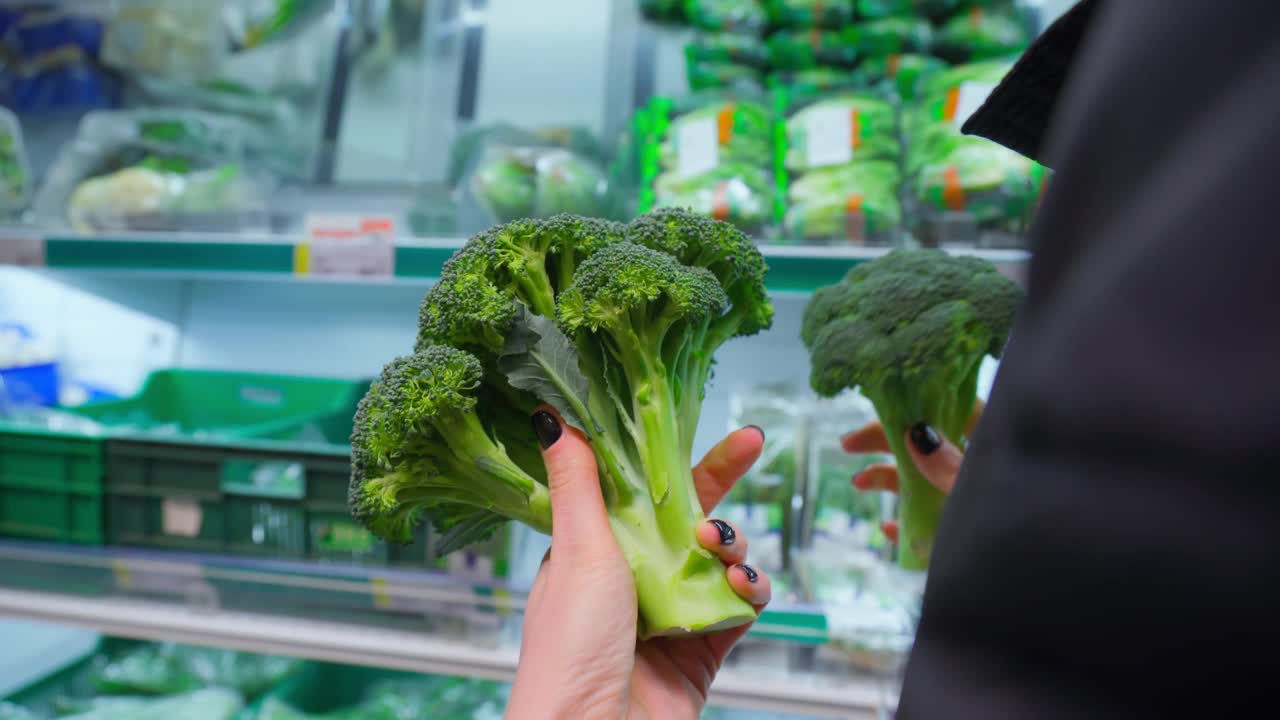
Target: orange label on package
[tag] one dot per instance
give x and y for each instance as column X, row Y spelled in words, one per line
column 720, row 201
column 724, row 125
column 855, row 129
column 952, row 192
column 952, row 102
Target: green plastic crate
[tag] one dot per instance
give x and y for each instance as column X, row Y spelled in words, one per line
column 51, row 485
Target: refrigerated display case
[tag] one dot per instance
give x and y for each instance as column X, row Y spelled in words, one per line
column 266, row 189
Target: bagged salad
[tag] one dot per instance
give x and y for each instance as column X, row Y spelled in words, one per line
column 747, row 16
column 797, row 49
column 978, row 34
column 839, row 128
column 900, row 74
column 810, row 13
column 156, row 170
column 854, row 204
column 893, row 35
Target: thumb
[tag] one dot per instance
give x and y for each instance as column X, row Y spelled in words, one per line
column 936, row 458
column 578, row 514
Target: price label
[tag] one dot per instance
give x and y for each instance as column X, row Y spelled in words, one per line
column 347, row 245
column 829, row 136
column 969, row 97
column 22, row 250
column 181, row 518
column 697, row 146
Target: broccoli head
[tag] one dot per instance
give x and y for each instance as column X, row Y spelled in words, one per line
column 910, row 331
column 616, row 327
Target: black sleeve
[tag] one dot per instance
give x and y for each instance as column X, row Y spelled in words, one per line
column 1112, row 549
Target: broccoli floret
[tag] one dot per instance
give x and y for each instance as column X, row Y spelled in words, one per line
column 419, row 448
column 616, row 327
column 910, row 331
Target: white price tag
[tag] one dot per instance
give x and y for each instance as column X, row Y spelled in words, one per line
column 697, row 146
column 21, row 249
column 181, row 518
column 828, row 136
column 969, row 98
column 347, row 245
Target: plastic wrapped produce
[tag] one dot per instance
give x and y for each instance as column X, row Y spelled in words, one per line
column 180, row 40
column 739, row 132
column 894, row 35
column 156, row 170
column 15, row 174
column 165, row 669
column 977, row 185
column 796, row 50
column 810, row 13
column 873, row 9
column 746, row 16
column 716, row 75
column 735, row 48
column 208, row 704
column 815, row 81
column 472, row 144
column 737, row 193
column 978, row 34
column 901, row 73
column 517, row 182
column 840, row 129
column 857, row 203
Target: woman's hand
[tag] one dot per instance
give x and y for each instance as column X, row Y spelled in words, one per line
column 935, row 456
column 580, row 658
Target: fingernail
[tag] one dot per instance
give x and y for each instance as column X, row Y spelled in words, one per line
column 758, row 429
column 925, row 438
column 752, row 575
column 727, row 535
column 547, row 428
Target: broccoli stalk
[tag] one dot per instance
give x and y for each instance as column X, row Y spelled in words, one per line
column 616, row 327
column 910, row 331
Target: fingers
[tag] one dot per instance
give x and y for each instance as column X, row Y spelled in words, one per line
column 725, row 464
column 751, row 584
column 867, row 439
column 936, row 458
column 722, row 538
column 577, row 505
column 883, row 476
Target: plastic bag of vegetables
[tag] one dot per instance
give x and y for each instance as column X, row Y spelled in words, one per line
column 747, row 16
column 706, row 75
column 888, row 36
column 156, row 170
column 873, row 9
column 738, row 193
column 854, row 204
column 15, row 174
column 207, row 704
column 902, row 74
column 741, row 132
column 736, row 48
column 167, row 668
column 978, row 34
column 976, row 185
column 796, row 50
column 810, row 13
column 842, row 128
column 516, row 182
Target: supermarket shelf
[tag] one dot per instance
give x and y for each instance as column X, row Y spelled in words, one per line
column 419, row 652
column 792, row 268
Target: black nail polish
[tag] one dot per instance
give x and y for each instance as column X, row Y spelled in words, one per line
column 547, row 428
column 925, row 438
column 752, row 575
column 727, row 535
column 758, row 429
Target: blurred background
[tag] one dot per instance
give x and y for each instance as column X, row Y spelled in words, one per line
column 217, row 219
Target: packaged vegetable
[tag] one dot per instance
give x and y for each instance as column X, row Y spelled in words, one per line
column 746, row 16
column 167, row 668
column 740, row 131
column 902, row 73
column 703, row 75
column 873, row 9
column 735, row 48
column 979, row 34
column 184, row 40
column 893, row 35
column 207, row 704
column 796, row 50
column 810, row 82
column 15, row 173
column 156, row 170
column 840, row 129
column 980, row 183
column 849, row 204
column 517, row 182
column 740, row 194
column 810, row 13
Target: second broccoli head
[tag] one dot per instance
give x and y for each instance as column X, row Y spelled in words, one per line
column 616, row 327
column 910, row 331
